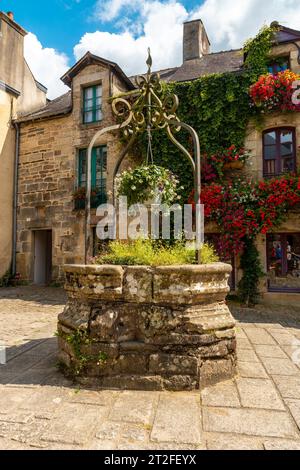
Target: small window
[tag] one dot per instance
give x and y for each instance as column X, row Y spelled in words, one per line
column 280, row 64
column 279, row 152
column 98, row 174
column 92, row 104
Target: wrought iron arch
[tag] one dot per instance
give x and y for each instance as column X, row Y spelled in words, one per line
column 145, row 110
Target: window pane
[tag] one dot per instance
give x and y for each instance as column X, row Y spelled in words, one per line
column 270, row 167
column 101, row 170
column 286, row 149
column 286, row 136
column 98, row 91
column 287, row 165
column 270, row 152
column 88, row 93
column 98, row 115
column 88, row 105
column 270, row 138
column 88, row 117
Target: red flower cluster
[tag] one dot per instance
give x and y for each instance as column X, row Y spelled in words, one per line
column 274, row 92
column 248, row 208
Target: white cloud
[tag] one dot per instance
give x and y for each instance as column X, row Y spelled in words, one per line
column 229, row 23
column 110, row 9
column 162, row 32
column 47, row 65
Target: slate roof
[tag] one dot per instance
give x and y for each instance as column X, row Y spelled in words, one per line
column 60, row 106
column 218, row 62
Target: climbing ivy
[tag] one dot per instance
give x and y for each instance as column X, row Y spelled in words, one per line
column 257, row 50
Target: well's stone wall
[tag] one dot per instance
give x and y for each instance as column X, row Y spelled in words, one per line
column 148, row 328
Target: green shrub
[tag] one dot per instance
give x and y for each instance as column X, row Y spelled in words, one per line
column 248, row 287
column 153, row 253
column 4, row 281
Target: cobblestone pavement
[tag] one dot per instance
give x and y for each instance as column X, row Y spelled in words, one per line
column 40, row 409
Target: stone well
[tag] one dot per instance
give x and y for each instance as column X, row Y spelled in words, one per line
column 163, row 328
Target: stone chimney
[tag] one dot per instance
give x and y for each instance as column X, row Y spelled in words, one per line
column 10, row 15
column 195, row 40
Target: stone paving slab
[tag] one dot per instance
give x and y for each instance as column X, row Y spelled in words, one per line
column 224, row 394
column 250, row 422
column 253, row 370
column 294, row 407
column 273, row 351
column 177, row 419
column 289, row 387
column 74, row 423
column 134, row 407
column 259, row 393
column 279, row 445
column 41, row 409
column 218, row 441
column 259, row 336
column 275, row 366
column 247, row 355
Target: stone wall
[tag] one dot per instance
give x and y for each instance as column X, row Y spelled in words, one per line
column 149, row 328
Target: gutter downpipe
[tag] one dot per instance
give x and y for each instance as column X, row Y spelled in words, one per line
column 15, row 200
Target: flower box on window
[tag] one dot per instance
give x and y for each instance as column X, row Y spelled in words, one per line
column 97, row 198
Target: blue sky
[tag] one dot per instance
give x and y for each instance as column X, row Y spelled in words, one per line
column 62, row 31
column 61, row 23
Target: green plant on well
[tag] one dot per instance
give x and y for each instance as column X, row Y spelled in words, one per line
column 78, row 339
column 148, row 182
column 248, row 287
column 154, row 253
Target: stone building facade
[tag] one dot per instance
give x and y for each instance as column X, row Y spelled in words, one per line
column 19, row 93
column 52, row 139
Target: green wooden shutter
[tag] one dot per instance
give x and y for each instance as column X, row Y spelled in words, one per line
column 94, row 168
column 82, row 168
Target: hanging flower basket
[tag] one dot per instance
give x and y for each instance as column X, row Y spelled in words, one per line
column 148, row 184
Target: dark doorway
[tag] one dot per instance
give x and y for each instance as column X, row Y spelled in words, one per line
column 42, row 256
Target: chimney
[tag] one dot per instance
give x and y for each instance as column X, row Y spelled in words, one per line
column 195, row 40
column 10, row 15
